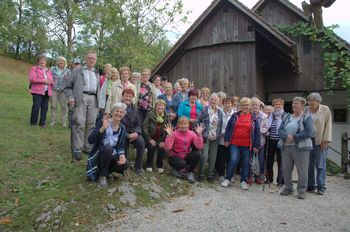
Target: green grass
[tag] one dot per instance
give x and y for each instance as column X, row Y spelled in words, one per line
column 36, row 172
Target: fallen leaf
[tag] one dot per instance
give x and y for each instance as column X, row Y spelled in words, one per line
column 5, row 221
column 177, row 210
column 17, row 202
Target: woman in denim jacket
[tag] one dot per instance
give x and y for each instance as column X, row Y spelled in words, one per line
column 295, row 131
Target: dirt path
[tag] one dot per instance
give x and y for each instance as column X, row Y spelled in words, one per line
column 232, row 209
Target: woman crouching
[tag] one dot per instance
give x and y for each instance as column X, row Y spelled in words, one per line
column 295, row 133
column 179, row 143
column 154, row 134
column 108, row 152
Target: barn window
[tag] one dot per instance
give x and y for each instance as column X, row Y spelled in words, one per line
column 307, row 47
column 250, row 28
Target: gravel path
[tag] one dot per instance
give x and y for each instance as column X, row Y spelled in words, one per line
column 232, row 209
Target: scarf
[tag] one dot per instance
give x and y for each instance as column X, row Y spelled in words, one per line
column 160, row 118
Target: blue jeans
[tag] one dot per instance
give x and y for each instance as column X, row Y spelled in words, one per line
column 237, row 154
column 317, row 161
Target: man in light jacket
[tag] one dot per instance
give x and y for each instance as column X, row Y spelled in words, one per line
column 321, row 137
column 82, row 89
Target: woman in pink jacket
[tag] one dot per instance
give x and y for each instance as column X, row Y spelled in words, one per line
column 41, row 86
column 179, row 143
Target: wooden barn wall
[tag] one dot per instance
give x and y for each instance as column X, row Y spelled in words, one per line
column 229, row 68
column 310, row 78
column 277, row 14
column 225, row 24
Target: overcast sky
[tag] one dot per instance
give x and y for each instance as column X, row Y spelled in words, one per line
column 338, row 13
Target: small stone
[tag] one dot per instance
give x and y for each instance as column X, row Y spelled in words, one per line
column 72, row 201
column 154, row 179
column 111, row 191
column 156, row 188
column 154, row 195
column 128, row 199
column 57, row 222
column 42, row 226
column 125, row 188
column 44, row 217
column 146, row 187
column 59, row 209
column 110, row 206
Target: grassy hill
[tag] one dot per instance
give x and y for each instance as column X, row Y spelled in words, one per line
column 37, row 173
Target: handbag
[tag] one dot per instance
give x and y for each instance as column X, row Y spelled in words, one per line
column 305, row 144
column 254, row 163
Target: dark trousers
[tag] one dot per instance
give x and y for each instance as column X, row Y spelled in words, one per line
column 191, row 160
column 150, row 156
column 139, row 144
column 273, row 151
column 222, row 159
column 40, row 103
column 107, row 163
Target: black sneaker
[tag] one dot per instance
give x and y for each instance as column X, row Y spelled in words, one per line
column 286, row 192
column 77, row 155
column 301, row 196
column 210, row 179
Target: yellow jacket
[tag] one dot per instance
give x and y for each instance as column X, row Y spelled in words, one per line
column 322, row 124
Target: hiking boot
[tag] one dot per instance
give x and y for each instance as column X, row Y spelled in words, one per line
column 286, row 192
column 160, row 170
column 200, row 178
column 311, row 190
column 210, row 179
column 102, row 180
column 190, row 177
column 176, row 173
column 244, row 185
column 225, row 183
column 77, row 155
column 139, row 172
column 249, row 181
column 259, row 181
column 149, row 170
column 320, row 192
column 301, row 195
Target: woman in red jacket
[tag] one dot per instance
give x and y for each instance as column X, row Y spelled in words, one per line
column 41, row 86
column 179, row 143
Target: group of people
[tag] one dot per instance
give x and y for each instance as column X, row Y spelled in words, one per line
column 204, row 134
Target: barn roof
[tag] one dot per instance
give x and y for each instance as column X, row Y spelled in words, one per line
column 286, row 3
column 281, row 41
column 256, row 8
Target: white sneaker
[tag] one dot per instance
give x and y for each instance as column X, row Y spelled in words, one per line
column 160, row 170
column 52, row 123
column 149, row 170
column 225, row 183
column 64, row 124
column 244, row 185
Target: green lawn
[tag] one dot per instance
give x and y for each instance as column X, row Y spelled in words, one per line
column 37, row 173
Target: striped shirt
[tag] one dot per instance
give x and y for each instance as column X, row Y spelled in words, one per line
column 273, row 130
column 90, row 83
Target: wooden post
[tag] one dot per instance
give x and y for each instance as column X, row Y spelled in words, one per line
column 344, row 153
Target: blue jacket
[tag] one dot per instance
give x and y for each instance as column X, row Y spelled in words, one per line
column 255, row 140
column 204, row 118
column 185, row 109
column 96, row 138
column 177, row 100
column 305, row 127
column 168, row 103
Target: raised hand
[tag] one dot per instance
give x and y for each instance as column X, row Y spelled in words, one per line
column 169, row 129
column 199, row 129
column 105, row 124
column 121, row 160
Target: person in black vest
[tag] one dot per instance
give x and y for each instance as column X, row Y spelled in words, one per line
column 132, row 123
column 274, row 122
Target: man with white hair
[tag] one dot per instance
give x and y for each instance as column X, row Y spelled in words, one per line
column 321, row 137
column 82, row 89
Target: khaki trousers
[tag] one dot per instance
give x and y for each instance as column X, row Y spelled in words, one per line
column 58, row 98
column 84, row 122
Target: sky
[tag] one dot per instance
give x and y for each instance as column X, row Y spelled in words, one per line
column 338, row 13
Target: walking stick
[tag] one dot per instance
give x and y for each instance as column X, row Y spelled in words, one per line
column 71, row 126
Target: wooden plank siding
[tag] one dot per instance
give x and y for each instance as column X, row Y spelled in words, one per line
column 311, row 66
column 220, row 54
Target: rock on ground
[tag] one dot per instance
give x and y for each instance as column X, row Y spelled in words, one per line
column 232, row 209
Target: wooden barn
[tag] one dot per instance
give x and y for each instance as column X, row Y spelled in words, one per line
column 238, row 50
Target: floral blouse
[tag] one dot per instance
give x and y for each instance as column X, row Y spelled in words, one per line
column 145, row 97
